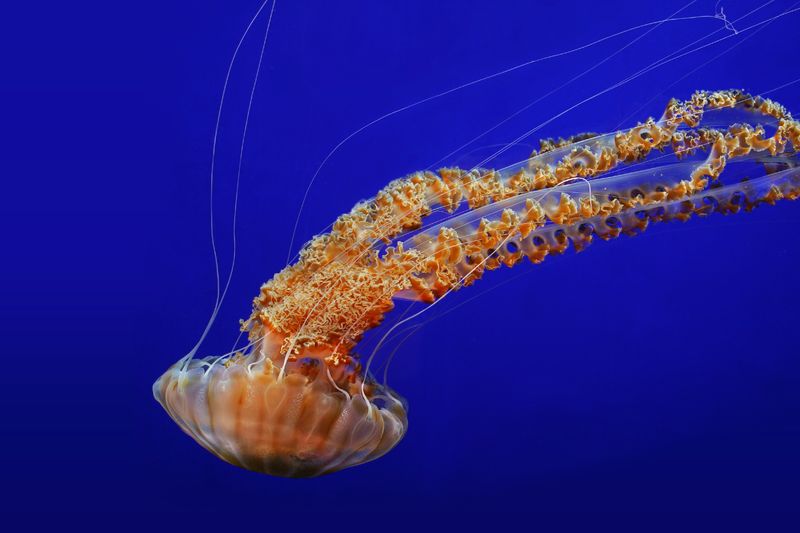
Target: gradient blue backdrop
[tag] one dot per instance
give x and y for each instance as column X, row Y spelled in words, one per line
column 658, row 373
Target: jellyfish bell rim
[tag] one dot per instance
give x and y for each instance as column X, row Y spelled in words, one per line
column 288, row 427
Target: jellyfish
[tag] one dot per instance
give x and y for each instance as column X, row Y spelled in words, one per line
column 299, row 400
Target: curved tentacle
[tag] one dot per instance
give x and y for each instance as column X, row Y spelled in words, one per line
column 345, row 280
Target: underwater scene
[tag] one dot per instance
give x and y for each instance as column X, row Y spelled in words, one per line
column 400, row 261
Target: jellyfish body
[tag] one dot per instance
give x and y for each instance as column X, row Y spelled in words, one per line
column 298, row 403
column 299, row 425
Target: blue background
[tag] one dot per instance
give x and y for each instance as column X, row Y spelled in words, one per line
column 658, row 373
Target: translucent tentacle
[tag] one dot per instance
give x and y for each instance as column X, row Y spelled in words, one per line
column 501, row 242
column 423, row 235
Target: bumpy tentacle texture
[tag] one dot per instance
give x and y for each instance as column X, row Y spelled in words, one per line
column 298, row 402
column 345, row 280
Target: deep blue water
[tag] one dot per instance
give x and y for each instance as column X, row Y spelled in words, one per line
column 658, row 373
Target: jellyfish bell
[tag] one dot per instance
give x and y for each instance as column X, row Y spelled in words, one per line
column 306, row 421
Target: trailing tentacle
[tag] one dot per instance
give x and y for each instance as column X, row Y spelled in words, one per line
column 344, row 281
